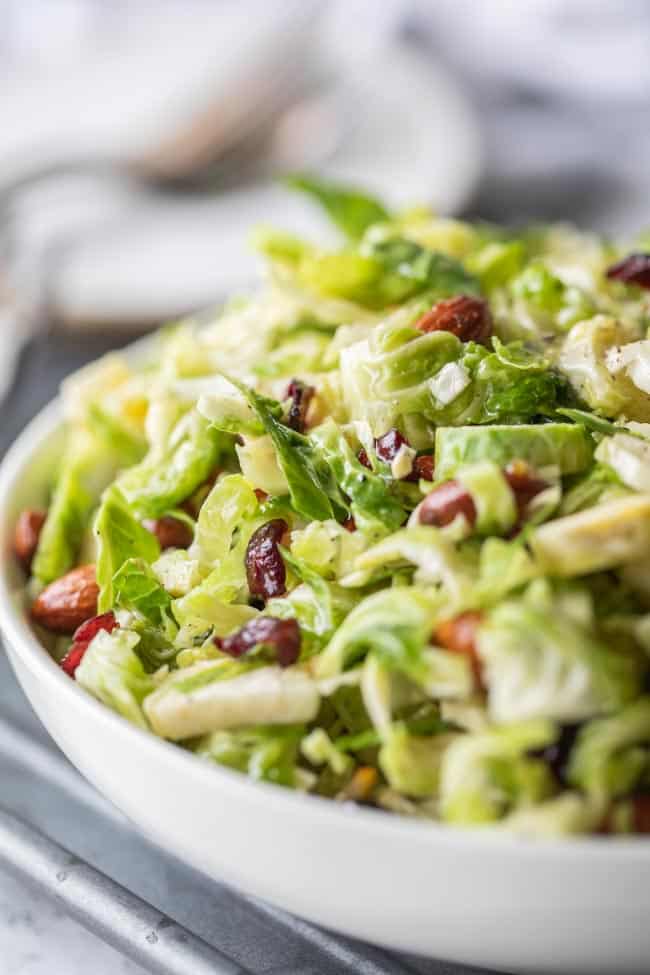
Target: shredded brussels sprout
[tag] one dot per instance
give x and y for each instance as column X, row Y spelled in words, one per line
column 380, row 532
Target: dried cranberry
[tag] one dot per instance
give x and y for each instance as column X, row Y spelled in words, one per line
column 171, row 532
column 422, row 468
column 265, row 569
column 350, row 524
column 301, row 396
column 362, row 457
column 525, row 486
column 445, row 503
column 633, row 269
column 387, row 447
column 73, row 657
column 261, row 495
column 464, row 316
column 283, row 636
column 82, row 639
column 87, row 630
column 27, row 533
column 557, row 754
column 459, row 635
column 641, row 814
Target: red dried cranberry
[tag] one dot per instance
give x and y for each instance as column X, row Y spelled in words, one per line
column 261, row 495
column 73, row 657
column 362, row 457
column 301, row 396
column 525, row 486
column 171, row 532
column 387, row 447
column 350, row 524
column 87, row 630
column 464, row 316
column 422, row 468
column 444, row 503
column 82, row 639
column 265, row 569
column 282, row 636
column 633, row 269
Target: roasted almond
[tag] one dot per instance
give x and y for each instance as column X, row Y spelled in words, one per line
column 67, row 602
column 445, row 503
column 525, row 486
column 171, row 532
column 459, row 635
column 464, row 316
column 26, row 535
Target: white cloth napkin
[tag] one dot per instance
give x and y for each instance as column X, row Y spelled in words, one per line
column 104, row 250
column 141, row 80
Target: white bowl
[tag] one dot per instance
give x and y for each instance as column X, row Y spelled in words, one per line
column 479, row 897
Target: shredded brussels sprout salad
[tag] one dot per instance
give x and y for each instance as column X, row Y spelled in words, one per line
column 380, row 532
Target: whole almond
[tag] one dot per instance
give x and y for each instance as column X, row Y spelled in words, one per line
column 67, row 602
column 524, row 484
column 459, row 635
column 170, row 532
column 26, row 535
column 442, row 505
column 464, row 316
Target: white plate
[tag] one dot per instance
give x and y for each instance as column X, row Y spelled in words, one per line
column 471, row 896
column 101, row 251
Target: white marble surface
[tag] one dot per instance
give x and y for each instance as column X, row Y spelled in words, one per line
column 38, row 938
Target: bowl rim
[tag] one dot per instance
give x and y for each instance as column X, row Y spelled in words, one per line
column 376, row 825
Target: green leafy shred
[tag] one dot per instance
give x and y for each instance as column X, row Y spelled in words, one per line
column 135, row 587
column 120, row 538
column 450, row 616
column 313, row 490
column 351, row 210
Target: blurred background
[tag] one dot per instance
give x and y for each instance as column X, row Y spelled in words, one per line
column 140, row 141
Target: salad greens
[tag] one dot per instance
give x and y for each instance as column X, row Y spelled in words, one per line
column 380, row 532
